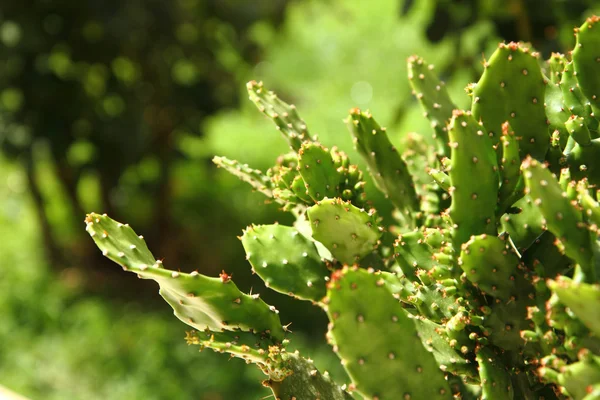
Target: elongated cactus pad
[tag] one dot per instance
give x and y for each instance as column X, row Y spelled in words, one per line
column 199, row 301
column 585, row 59
column 583, row 299
column 284, row 115
column 389, row 171
column 556, row 65
column 512, row 89
column 574, row 99
column 557, row 112
column 474, row 175
column 510, row 168
column 561, row 217
column 245, row 345
column 434, row 99
column 578, row 130
column 495, row 380
column 413, row 252
column 254, row 177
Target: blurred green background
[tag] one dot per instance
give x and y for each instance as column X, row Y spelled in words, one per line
column 118, row 107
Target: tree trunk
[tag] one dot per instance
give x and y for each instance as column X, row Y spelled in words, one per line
column 50, row 245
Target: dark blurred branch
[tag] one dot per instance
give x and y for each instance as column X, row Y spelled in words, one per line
column 50, row 245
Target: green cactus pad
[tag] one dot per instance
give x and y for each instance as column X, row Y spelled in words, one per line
column 505, row 323
column 525, row 226
column 244, row 345
column 394, row 365
column 434, row 303
column 412, row 252
column 545, row 257
column 491, row 264
column 420, row 158
column 452, row 358
column 562, row 219
column 389, row 171
column 590, row 206
column 317, row 168
column 286, row 260
column 585, row 59
column 556, row 64
column 254, row 177
column 557, row 112
column 434, row 99
column 578, row 130
column 574, row 99
column 474, row 175
column 512, row 89
column 199, row 301
column 282, row 176
column 510, row 167
column 299, row 189
column 495, row 380
column 584, row 162
column 304, row 381
column 285, row 116
column 582, row 299
column 580, row 377
column 348, row 232
column 441, row 178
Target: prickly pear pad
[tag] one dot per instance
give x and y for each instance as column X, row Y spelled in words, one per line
column 562, row 219
column 318, row 171
column 495, row 380
column 245, row 345
column 197, row 300
column 348, row 232
column 295, row 386
column 389, row 171
column 510, row 168
column 378, row 341
column 491, row 264
column 573, row 98
column 474, row 176
column 434, row 99
column 582, row 299
column 286, row 260
column 579, row 378
column 254, row 177
column 512, row 89
column 284, row 115
column 585, row 57
column 412, row 252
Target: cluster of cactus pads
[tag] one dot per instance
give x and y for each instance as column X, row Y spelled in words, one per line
column 485, row 286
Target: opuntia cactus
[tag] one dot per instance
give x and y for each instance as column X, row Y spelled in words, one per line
column 491, row 288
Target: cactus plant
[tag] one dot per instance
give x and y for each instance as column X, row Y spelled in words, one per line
column 487, row 285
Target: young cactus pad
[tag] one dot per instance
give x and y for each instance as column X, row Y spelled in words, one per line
column 203, row 303
column 485, row 283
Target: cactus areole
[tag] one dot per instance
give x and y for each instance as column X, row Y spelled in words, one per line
column 491, row 288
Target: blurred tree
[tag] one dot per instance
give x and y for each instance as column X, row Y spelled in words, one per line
column 547, row 24
column 105, row 84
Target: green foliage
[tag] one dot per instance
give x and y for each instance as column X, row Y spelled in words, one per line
column 455, row 304
column 53, row 335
